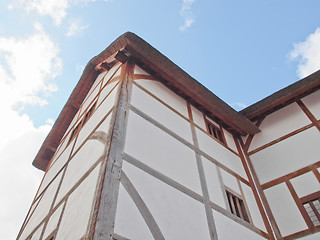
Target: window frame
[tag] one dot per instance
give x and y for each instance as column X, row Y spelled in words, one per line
column 237, row 205
column 310, row 199
column 215, row 131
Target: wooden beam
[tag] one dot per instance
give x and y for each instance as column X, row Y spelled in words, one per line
column 203, row 182
column 248, row 169
column 309, row 114
column 142, row 207
column 299, row 205
column 103, row 222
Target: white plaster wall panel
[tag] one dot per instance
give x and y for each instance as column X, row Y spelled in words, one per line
column 93, row 121
column 284, row 209
column 37, row 234
column 88, row 103
column 213, row 183
column 128, row 213
column 89, row 153
column 105, row 125
column 229, row 229
column 230, row 141
column 56, row 167
column 77, row 212
column 161, row 152
column 198, row 118
column 220, row 153
column 253, row 207
column 287, row 156
column 161, row 113
column 138, row 70
column 33, row 207
column 305, row 184
column 115, row 71
column 72, row 123
column 93, row 90
column 230, row 181
column 107, row 91
column 312, row 102
column 314, row 236
column 42, row 209
column 166, row 95
column 177, row 215
column 53, row 222
column 278, row 124
column 62, row 147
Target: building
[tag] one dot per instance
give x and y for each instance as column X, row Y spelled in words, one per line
column 141, row 150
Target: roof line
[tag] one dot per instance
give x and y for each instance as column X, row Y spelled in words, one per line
column 283, row 97
column 164, row 69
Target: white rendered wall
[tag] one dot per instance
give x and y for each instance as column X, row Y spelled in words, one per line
column 178, row 215
column 198, row 117
column 229, row 229
column 85, row 153
column 161, row 152
column 253, row 207
column 76, row 215
column 128, row 213
column 216, row 193
column 220, row 153
column 53, row 222
column 305, row 184
column 278, row 124
column 42, row 209
column 285, row 210
column 312, row 102
column 160, row 91
column 90, row 153
column 314, row 236
column 161, row 113
column 287, row 156
column 37, row 234
column 152, row 146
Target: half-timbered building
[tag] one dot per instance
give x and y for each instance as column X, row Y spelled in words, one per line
column 141, row 150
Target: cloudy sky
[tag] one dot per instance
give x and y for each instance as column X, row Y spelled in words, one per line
column 241, row 50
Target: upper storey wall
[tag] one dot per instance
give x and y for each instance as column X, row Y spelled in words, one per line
column 167, row 138
column 288, row 140
column 286, row 159
column 70, row 181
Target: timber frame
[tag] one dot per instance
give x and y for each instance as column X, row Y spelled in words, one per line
column 129, row 50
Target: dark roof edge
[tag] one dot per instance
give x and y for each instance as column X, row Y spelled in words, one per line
column 163, row 67
column 283, row 97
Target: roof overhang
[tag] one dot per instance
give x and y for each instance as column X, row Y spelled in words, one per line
column 283, row 97
column 147, row 57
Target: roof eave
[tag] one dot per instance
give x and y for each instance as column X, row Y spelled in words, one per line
column 283, row 97
column 159, row 64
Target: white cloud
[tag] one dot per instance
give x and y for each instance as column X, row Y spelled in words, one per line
column 239, row 106
column 26, row 68
column 56, row 9
column 186, row 14
column 75, row 27
column 308, row 54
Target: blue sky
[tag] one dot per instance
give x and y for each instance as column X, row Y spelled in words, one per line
column 241, row 50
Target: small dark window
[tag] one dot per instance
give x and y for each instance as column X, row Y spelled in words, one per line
column 215, row 132
column 237, row 206
column 312, row 205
